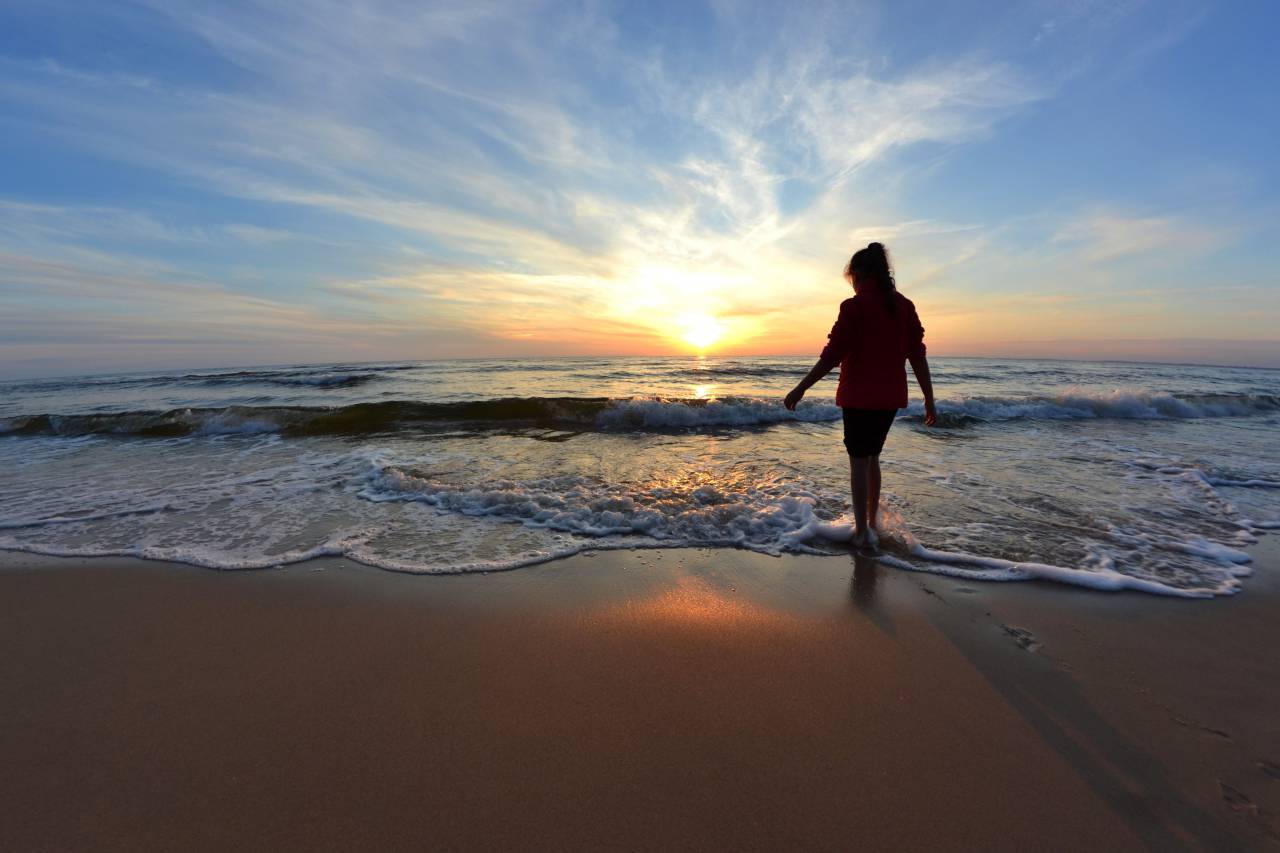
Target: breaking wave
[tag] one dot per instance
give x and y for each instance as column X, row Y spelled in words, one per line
column 1118, row 404
column 636, row 414
column 575, row 413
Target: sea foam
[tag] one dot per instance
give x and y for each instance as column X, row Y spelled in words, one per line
column 679, row 511
column 759, row 519
column 899, row 543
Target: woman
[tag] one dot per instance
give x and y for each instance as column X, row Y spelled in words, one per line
column 877, row 331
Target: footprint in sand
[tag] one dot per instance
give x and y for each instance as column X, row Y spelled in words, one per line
column 1192, row 724
column 1237, row 799
column 1240, row 803
column 1024, row 638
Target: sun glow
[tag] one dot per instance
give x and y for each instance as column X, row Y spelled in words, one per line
column 701, row 330
column 688, row 308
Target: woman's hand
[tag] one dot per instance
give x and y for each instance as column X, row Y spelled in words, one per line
column 930, row 413
column 793, row 399
column 819, row 370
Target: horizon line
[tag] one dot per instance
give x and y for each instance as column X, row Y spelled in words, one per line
column 8, row 380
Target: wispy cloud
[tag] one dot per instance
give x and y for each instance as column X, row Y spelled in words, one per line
column 497, row 177
column 1103, row 236
column 440, row 159
column 27, row 222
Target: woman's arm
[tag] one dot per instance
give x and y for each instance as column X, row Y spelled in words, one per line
column 838, row 343
column 920, row 367
column 819, row 370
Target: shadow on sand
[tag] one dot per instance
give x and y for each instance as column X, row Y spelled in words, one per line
column 1122, row 771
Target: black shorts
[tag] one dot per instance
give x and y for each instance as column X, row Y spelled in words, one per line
column 866, row 429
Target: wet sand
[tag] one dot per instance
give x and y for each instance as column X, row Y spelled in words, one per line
column 633, row 700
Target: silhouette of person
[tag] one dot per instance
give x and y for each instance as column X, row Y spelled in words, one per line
column 876, row 332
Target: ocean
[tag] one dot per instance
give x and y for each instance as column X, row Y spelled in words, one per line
column 1109, row 475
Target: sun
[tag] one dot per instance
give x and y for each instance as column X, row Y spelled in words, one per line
column 701, row 330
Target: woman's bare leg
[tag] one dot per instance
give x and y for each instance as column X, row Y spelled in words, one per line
column 858, row 469
column 873, row 489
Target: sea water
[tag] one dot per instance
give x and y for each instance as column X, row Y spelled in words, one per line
column 1111, row 475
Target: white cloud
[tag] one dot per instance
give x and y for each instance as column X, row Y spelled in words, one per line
column 1104, row 236
column 526, row 152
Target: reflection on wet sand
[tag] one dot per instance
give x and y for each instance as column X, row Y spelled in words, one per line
column 693, row 601
column 863, row 585
column 862, row 590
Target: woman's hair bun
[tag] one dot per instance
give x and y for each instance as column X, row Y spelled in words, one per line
column 876, row 247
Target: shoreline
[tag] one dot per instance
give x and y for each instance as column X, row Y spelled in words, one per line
column 959, row 567
column 690, row 698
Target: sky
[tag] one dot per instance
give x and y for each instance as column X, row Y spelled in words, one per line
column 188, row 184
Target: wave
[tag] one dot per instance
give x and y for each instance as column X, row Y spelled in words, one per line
column 740, row 370
column 574, row 413
column 338, row 376
column 1119, row 404
column 1195, row 474
column 636, row 414
column 303, row 380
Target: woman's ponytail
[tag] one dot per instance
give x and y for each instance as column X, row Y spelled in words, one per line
column 872, row 263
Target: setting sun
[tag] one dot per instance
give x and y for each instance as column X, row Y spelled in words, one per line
column 701, row 331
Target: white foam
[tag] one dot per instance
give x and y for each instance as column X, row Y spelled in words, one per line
column 893, row 529
column 1101, row 579
column 572, row 513
column 1185, row 472
column 192, row 556
column 233, row 422
column 756, row 519
column 697, row 517
column 682, row 512
column 1201, row 547
column 947, row 570
column 1073, row 404
column 657, row 413
column 1118, row 403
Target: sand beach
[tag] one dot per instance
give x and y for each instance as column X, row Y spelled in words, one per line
column 635, row 700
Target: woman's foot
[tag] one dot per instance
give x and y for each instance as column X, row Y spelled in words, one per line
column 866, row 540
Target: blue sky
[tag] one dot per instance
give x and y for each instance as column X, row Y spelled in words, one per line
column 204, row 184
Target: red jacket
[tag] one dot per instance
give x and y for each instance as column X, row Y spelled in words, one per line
column 872, row 347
